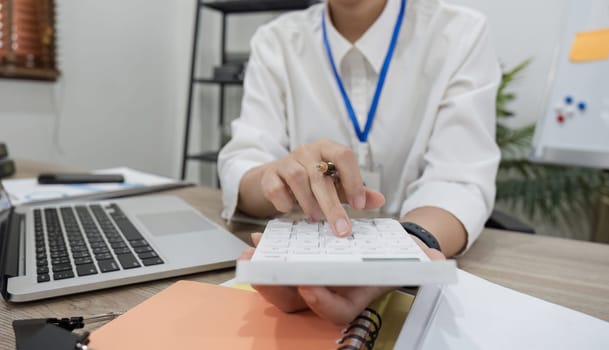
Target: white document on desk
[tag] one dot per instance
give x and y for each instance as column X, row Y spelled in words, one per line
column 28, row 191
column 477, row 314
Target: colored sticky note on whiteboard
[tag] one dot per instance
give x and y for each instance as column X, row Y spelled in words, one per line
column 590, row 46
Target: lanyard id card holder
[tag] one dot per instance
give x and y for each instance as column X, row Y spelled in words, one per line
column 371, row 172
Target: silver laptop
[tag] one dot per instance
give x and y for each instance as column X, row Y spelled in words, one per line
column 67, row 248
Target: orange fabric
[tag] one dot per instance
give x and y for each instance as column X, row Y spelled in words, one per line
column 193, row 315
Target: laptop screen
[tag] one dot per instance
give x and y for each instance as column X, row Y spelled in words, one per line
column 5, row 212
column 5, row 209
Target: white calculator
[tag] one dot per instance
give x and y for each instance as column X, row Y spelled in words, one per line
column 378, row 252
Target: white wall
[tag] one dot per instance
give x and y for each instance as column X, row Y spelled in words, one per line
column 523, row 29
column 205, row 133
column 125, row 64
column 121, row 98
column 117, row 99
column 520, row 29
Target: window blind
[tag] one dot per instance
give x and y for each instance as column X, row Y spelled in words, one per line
column 27, row 39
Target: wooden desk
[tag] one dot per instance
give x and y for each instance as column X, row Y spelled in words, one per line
column 570, row 273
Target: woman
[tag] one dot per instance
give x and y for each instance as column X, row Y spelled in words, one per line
column 399, row 96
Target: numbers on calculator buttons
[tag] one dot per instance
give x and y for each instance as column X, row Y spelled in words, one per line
column 304, row 250
column 276, row 242
column 271, row 257
column 274, row 250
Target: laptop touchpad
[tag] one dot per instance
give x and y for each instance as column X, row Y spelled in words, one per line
column 176, row 222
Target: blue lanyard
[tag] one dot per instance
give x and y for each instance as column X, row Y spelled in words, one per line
column 362, row 135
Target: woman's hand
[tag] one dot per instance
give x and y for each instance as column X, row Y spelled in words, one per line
column 294, row 180
column 339, row 305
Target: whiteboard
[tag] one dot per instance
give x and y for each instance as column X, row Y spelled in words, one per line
column 580, row 137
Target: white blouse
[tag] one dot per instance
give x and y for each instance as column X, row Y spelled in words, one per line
column 434, row 131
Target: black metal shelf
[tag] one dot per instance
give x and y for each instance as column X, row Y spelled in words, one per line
column 211, row 156
column 224, row 7
column 218, row 81
column 243, row 6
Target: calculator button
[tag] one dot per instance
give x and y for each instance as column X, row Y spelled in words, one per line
column 270, row 257
column 339, row 250
column 305, row 250
column 322, row 258
column 275, row 250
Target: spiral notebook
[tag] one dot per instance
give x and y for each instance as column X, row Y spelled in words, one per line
column 193, row 315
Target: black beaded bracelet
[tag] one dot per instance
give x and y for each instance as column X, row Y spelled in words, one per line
column 421, row 234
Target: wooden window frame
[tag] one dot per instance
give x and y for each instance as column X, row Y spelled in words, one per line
column 41, row 65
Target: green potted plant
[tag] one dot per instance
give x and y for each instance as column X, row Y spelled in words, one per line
column 539, row 191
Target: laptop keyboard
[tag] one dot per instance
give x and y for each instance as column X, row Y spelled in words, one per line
column 96, row 242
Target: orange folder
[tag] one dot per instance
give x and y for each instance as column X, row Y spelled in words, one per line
column 193, row 315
